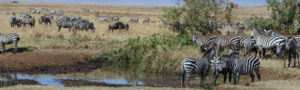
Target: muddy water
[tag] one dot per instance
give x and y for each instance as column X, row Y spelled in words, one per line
column 112, row 75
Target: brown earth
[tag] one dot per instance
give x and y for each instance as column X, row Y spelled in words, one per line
column 72, row 83
column 48, row 62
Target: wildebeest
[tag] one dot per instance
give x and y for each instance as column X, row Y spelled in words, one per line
column 146, row 20
column 118, row 25
column 52, row 12
column 134, row 19
column 115, row 18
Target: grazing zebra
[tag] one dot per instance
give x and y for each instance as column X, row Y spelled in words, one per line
column 292, row 48
column 264, row 42
column 247, row 44
column 203, row 41
column 239, row 67
column 196, row 65
column 224, row 71
column 9, row 39
column 146, row 20
column 134, row 19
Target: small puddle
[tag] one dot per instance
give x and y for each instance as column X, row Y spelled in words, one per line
column 112, row 75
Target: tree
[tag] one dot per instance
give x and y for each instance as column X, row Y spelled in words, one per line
column 193, row 16
column 228, row 10
column 284, row 14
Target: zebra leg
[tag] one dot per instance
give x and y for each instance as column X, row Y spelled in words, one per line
column 236, row 78
column 263, row 53
column 289, row 58
column 257, row 74
column 260, row 52
column 252, row 76
column 3, row 48
column 16, row 47
column 225, row 77
column 203, row 75
column 215, row 77
column 230, row 76
column 294, row 59
column 182, row 78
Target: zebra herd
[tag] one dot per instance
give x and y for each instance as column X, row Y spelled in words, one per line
column 117, row 18
column 281, row 45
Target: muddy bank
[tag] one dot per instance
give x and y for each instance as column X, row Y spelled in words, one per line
column 72, row 83
column 48, row 62
column 19, row 82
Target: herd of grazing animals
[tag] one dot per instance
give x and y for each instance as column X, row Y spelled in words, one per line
column 62, row 21
column 283, row 46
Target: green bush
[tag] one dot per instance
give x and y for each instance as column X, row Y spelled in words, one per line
column 260, row 23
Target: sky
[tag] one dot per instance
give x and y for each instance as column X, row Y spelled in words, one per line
column 241, row 3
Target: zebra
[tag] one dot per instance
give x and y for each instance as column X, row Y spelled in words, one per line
column 134, row 19
column 196, row 65
column 239, row 66
column 225, row 70
column 101, row 19
column 264, row 42
column 272, row 33
column 248, row 45
column 60, row 12
column 203, row 41
column 293, row 48
column 52, row 12
column 115, row 18
column 231, row 41
column 146, row 20
column 9, row 38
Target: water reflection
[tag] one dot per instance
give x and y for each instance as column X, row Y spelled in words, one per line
column 118, row 75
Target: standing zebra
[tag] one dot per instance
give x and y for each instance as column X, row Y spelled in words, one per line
column 293, row 48
column 232, row 41
column 227, row 59
column 196, row 65
column 230, row 30
column 247, row 44
column 264, row 42
column 9, row 39
column 239, row 67
column 203, row 41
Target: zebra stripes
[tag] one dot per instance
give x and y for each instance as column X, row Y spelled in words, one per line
column 196, row 65
column 232, row 41
column 247, row 44
column 230, row 30
column 9, row 39
column 239, row 67
column 265, row 42
column 203, row 41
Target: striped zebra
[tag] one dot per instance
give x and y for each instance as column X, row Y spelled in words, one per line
column 292, row 49
column 9, row 38
column 196, row 65
column 243, row 66
column 226, row 69
column 203, row 41
column 264, row 42
column 247, row 44
column 272, row 33
column 232, row 41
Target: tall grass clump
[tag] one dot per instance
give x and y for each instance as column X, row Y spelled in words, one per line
column 156, row 53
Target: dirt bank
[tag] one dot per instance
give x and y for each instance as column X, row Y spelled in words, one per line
column 48, row 62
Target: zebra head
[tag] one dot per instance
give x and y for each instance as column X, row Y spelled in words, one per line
column 290, row 43
column 280, row 46
column 218, row 64
column 267, row 32
column 253, row 32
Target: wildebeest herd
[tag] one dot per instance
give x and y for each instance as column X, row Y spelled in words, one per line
column 283, row 46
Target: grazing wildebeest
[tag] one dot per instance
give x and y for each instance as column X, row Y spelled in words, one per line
column 118, row 25
column 115, row 18
column 134, row 19
column 146, row 20
column 52, row 12
column 64, row 22
column 100, row 18
column 29, row 21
